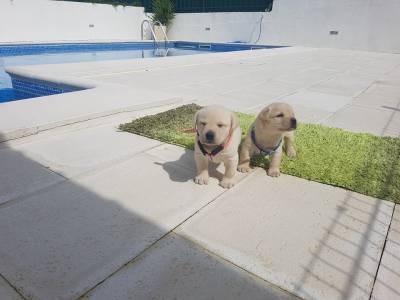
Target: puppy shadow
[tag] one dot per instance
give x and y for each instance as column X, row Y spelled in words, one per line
column 186, row 161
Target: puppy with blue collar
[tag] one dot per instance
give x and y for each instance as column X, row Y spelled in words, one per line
column 272, row 130
column 217, row 141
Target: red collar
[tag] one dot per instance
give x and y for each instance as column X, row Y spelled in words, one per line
column 216, row 150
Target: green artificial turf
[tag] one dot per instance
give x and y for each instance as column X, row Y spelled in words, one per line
column 358, row 162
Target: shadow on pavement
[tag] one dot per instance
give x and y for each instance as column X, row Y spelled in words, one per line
column 63, row 239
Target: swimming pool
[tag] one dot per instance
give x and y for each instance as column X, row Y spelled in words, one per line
column 14, row 88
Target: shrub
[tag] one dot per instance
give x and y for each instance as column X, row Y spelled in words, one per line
column 163, row 12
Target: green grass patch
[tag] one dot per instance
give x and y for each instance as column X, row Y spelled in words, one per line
column 359, row 162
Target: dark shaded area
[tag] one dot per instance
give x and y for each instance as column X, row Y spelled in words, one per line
column 186, row 160
column 47, row 228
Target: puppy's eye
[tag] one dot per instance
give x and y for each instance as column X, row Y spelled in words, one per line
column 203, row 123
column 221, row 125
column 279, row 115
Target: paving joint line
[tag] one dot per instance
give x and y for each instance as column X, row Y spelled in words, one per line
column 303, row 89
column 241, row 268
column 65, row 179
column 24, row 197
column 383, row 250
column 12, row 286
column 248, row 177
column 141, row 253
column 151, row 105
column 112, row 163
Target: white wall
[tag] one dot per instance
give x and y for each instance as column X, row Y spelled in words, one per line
column 44, row 20
column 362, row 24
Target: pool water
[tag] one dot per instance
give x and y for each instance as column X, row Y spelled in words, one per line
column 36, row 54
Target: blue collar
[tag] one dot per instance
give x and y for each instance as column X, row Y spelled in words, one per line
column 265, row 151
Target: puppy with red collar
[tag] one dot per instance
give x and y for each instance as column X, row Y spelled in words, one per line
column 217, row 140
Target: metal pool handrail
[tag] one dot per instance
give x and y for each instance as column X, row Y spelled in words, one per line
column 151, row 28
column 162, row 29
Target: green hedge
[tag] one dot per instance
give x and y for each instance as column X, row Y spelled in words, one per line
column 112, row 2
column 196, row 6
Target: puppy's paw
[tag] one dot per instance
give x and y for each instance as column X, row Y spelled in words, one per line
column 227, row 183
column 201, row 179
column 291, row 152
column 244, row 168
column 273, row 172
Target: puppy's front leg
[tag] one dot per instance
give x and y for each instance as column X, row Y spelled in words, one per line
column 275, row 163
column 228, row 180
column 289, row 145
column 244, row 157
column 202, row 169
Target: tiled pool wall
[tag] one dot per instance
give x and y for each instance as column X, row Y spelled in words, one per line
column 29, row 49
column 220, row 47
column 31, row 88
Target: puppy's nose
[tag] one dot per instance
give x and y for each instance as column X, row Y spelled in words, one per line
column 210, row 136
column 293, row 123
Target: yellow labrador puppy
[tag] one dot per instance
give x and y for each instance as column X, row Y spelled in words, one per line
column 273, row 127
column 217, row 140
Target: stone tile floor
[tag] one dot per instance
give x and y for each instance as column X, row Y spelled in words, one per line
column 88, row 211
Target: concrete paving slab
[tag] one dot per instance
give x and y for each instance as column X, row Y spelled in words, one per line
column 20, row 175
column 387, row 285
column 196, row 90
column 183, row 74
column 320, row 101
column 345, row 85
column 175, row 268
column 314, row 240
column 233, row 83
column 111, row 120
column 235, row 102
column 234, row 93
column 77, row 152
column 144, row 80
column 246, row 101
column 7, row 292
column 280, row 88
column 392, row 78
column 174, row 155
column 59, row 243
column 380, row 96
column 308, row 76
column 367, row 119
column 22, row 118
column 303, row 114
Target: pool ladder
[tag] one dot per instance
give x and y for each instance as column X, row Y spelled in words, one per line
column 157, row 50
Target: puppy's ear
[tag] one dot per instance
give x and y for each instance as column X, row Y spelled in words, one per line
column 264, row 114
column 234, row 121
column 195, row 119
